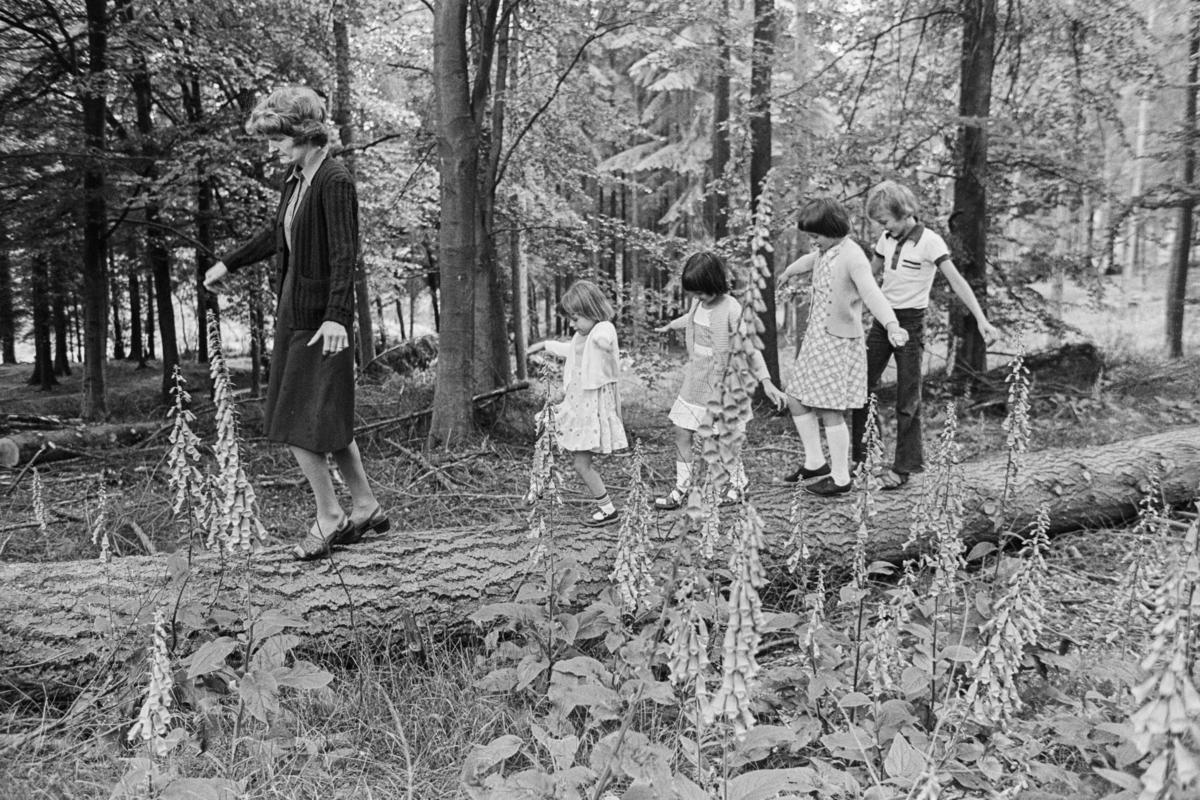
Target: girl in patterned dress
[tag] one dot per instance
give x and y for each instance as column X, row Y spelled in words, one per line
column 709, row 325
column 831, row 367
column 589, row 417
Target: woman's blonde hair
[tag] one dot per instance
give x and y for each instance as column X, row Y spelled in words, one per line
column 585, row 299
column 294, row 111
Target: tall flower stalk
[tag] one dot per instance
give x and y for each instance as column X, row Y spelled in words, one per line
column 186, row 481
column 631, row 571
column 237, row 527
column 154, row 718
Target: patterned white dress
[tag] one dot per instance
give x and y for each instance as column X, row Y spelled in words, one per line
column 830, row 371
column 588, row 420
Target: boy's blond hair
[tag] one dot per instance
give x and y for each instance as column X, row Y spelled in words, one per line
column 895, row 198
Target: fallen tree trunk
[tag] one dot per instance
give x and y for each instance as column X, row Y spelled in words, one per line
column 57, row 445
column 61, row 623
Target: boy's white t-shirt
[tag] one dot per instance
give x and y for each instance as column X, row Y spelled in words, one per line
column 909, row 265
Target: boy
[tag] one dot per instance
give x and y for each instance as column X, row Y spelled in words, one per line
column 909, row 256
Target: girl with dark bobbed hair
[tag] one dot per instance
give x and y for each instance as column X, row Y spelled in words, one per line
column 314, row 238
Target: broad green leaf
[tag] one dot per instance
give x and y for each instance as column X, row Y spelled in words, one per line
column 903, row 760
column 1122, row 779
column 958, row 652
column 483, row 757
column 531, row 666
column 302, row 675
column 766, row 784
column 210, row 657
column 854, row 700
column 202, row 789
column 498, row 680
column 260, row 692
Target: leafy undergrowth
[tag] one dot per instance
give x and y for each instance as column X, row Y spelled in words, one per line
column 1062, row 670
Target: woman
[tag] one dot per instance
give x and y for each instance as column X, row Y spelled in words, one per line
column 314, row 236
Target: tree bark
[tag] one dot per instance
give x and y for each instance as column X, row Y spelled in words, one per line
column 458, row 152
column 970, row 184
column 1178, row 274
column 62, row 623
column 43, row 348
column 344, row 119
column 8, row 317
column 137, row 352
column 718, row 195
column 59, row 298
column 762, row 60
column 95, row 210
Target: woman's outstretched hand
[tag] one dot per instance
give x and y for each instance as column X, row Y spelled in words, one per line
column 214, row 276
column 333, row 337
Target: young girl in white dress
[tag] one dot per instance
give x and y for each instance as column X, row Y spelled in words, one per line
column 831, row 367
column 589, row 417
column 709, row 326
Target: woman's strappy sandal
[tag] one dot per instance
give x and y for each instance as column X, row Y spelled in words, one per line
column 377, row 522
column 674, row 499
column 732, row 497
column 315, row 545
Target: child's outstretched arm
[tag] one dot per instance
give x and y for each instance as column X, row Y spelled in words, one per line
column 801, row 265
column 963, row 289
column 554, row 348
column 876, row 303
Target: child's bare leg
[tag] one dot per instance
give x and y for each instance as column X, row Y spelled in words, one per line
column 595, row 484
column 683, row 469
column 588, row 474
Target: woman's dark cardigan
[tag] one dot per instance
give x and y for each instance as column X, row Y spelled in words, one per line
column 324, row 248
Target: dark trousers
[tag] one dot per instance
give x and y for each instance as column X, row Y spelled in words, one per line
column 909, row 453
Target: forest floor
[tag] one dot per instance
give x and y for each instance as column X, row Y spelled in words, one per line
column 358, row 727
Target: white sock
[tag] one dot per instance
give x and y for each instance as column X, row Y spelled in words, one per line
column 606, row 504
column 809, row 428
column 838, row 436
column 683, row 474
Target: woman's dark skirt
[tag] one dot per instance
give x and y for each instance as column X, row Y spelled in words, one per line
column 310, row 396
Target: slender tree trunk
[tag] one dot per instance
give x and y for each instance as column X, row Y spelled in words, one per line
column 400, row 316
column 970, row 184
column 95, row 268
column 118, row 333
column 151, row 304
column 1178, row 274
column 59, row 299
column 382, row 326
column 344, row 119
column 258, row 336
column 137, row 350
column 491, row 357
column 39, row 297
column 762, row 60
column 506, row 81
column 8, row 316
column 458, row 152
column 718, row 195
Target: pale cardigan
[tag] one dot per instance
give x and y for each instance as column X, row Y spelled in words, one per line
column 599, row 367
column 853, row 284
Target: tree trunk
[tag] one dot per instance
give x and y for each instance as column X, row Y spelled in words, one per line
column 117, row 328
column 61, row 623
column 970, row 184
column 717, row 201
column 510, row 43
column 1178, row 274
column 490, row 357
column 151, row 303
column 762, row 60
column 67, row 443
column 137, row 351
column 458, row 152
column 43, row 348
column 8, row 316
column 95, row 210
column 59, row 297
column 344, row 119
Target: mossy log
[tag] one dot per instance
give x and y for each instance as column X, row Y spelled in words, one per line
column 62, row 624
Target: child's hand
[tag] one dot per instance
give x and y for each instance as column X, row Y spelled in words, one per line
column 897, row 335
column 663, row 329
column 778, row 398
column 535, row 348
column 989, row 331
